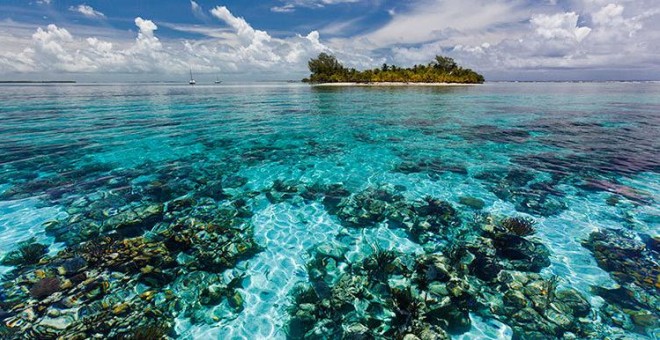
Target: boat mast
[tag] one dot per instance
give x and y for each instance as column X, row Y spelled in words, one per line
column 192, row 81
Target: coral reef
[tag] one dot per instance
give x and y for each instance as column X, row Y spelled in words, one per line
column 27, row 253
column 521, row 226
column 521, row 188
column 122, row 287
column 634, row 305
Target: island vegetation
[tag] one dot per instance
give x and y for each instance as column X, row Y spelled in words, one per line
column 327, row 69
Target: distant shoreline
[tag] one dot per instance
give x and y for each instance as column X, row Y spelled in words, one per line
column 381, row 84
column 37, row 81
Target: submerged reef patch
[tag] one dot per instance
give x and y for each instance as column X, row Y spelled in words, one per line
column 427, row 213
column 120, row 287
column 522, row 188
column 430, row 296
column 633, row 305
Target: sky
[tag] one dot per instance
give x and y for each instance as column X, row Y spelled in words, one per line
column 133, row 40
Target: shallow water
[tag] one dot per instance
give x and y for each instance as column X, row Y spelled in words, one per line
column 585, row 156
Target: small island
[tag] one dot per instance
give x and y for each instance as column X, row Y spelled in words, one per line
column 326, row 69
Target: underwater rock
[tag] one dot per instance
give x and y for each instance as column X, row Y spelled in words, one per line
column 369, row 207
column 519, row 187
column 212, row 295
column 432, row 167
column 630, row 307
column 330, row 195
column 503, row 251
column 472, row 202
column 45, row 287
column 651, row 242
column 356, row 331
column 101, row 213
column 282, row 191
column 521, row 254
column 515, row 251
column 143, row 217
column 72, row 266
column 428, row 222
column 392, row 294
column 479, row 256
column 181, row 203
column 626, row 258
column 612, row 200
column 536, row 308
column 130, row 256
column 234, row 181
column 27, row 253
column 112, row 287
column 236, row 301
column 330, row 250
column 545, row 205
column 218, row 299
column 216, row 245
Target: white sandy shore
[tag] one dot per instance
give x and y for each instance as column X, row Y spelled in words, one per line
column 392, row 84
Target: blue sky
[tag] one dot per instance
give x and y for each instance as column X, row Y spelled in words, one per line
column 504, row 39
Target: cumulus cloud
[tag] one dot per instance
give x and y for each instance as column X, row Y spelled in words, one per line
column 495, row 37
column 87, row 11
column 258, row 48
column 560, row 26
column 503, row 37
column 242, row 48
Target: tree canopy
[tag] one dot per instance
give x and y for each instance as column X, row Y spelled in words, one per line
column 327, row 69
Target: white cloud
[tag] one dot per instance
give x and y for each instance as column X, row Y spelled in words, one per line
column 502, row 36
column 495, row 37
column 288, row 8
column 238, row 48
column 291, row 5
column 432, row 20
column 87, row 11
column 608, row 15
column 196, row 8
column 44, row 2
column 258, row 48
column 560, row 26
column 198, row 11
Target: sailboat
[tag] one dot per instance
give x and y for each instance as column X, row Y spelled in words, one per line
column 217, row 80
column 192, row 81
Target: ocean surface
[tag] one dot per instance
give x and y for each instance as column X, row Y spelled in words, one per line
column 267, row 211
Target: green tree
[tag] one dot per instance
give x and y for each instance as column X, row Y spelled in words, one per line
column 324, row 66
column 445, row 64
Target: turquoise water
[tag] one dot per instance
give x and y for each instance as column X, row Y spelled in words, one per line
column 214, row 205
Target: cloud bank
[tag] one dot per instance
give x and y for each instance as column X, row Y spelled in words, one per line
column 54, row 49
column 502, row 38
